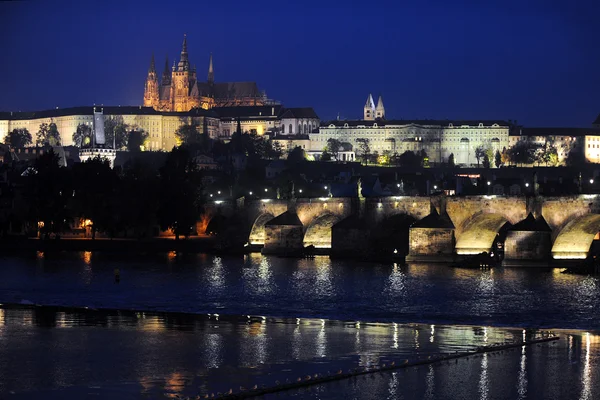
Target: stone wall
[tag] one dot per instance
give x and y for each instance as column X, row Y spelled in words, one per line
column 431, row 241
column 348, row 242
column 527, row 245
column 283, row 239
column 463, row 209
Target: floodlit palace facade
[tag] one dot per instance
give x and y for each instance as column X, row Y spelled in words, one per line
column 439, row 138
column 180, row 90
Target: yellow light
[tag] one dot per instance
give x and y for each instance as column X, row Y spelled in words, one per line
column 40, row 224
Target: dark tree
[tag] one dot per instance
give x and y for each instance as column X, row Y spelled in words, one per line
column 479, row 154
column 53, row 135
column 137, row 139
column 296, row 155
column 42, row 135
column 187, row 134
column 498, row 159
column 364, row 149
column 138, row 199
column 115, row 131
column 325, row 156
column 410, row 159
column 333, row 147
column 48, row 135
column 180, row 188
column 451, row 162
column 82, row 136
column 486, row 161
column 95, row 185
column 48, row 193
column 17, row 138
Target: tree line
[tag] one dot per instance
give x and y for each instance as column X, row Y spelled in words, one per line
column 133, row 201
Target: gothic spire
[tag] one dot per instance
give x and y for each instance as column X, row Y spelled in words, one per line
column 152, row 66
column 166, row 75
column 380, row 102
column 370, row 103
column 184, row 63
column 211, row 72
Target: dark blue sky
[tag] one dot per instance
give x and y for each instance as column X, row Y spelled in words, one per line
column 535, row 61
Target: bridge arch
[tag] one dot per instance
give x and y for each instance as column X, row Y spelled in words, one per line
column 257, row 233
column 318, row 233
column 479, row 233
column 391, row 234
column 575, row 239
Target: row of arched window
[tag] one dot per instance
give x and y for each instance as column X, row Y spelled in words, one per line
column 302, row 129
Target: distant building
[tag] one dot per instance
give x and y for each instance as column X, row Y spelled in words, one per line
column 565, row 140
column 272, row 120
column 160, row 126
column 438, row 138
column 180, row 89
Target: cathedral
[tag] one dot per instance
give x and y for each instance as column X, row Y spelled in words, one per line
column 180, row 90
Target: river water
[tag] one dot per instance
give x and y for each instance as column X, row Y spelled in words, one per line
column 306, row 317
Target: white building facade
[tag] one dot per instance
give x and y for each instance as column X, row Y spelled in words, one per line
column 438, row 139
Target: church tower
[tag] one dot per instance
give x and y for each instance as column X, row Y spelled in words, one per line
column 180, row 81
column 380, row 110
column 151, row 89
column 211, row 72
column 369, row 110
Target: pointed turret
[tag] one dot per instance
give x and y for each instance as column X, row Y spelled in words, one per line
column 369, row 110
column 184, row 63
column 380, row 109
column 211, row 72
column 166, row 75
column 151, row 87
column 152, row 65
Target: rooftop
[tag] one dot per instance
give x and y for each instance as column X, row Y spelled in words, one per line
column 421, row 122
column 108, row 110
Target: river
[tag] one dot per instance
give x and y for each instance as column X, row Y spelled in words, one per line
column 275, row 319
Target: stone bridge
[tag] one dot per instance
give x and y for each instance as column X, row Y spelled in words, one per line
column 560, row 227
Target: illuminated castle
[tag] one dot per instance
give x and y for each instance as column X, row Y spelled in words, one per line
column 180, row 90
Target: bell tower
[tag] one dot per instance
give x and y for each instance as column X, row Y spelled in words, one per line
column 180, row 85
column 380, row 109
column 151, row 88
column 369, row 109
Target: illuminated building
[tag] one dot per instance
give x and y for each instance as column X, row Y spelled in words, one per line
column 180, row 90
column 438, row 138
column 160, row 126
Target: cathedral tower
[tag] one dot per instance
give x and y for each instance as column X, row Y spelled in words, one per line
column 211, row 72
column 151, row 89
column 369, row 110
column 180, row 81
column 380, row 110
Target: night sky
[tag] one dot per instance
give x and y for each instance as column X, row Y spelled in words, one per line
column 534, row 61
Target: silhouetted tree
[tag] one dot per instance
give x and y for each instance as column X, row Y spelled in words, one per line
column 115, row 131
column 296, row 155
column 95, row 185
column 82, row 137
column 451, row 162
column 137, row 139
column 333, row 147
column 48, row 192
column 486, row 161
column 498, row 159
column 325, row 156
column 17, row 138
column 364, row 149
column 180, row 188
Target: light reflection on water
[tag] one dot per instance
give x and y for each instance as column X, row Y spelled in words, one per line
column 179, row 354
column 319, row 287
